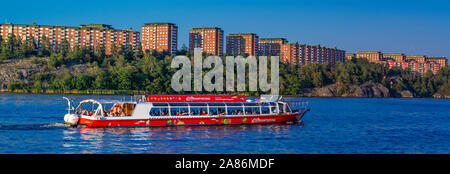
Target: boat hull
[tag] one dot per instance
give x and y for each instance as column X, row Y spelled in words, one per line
column 180, row 121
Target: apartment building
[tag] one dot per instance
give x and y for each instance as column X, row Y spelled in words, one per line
column 397, row 57
column 89, row 35
column 415, row 66
column 301, row 54
column 270, row 46
column 372, row 56
column 210, row 39
column 418, row 58
column 349, row 56
column 443, row 61
column 160, row 37
column 416, row 63
column 242, row 43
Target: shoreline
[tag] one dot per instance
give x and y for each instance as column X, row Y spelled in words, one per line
column 138, row 92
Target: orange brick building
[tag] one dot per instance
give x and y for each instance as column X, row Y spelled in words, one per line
column 398, row 57
column 418, row 58
column 440, row 60
column 416, row 63
column 301, row 54
column 415, row 66
column 292, row 53
column 270, row 46
column 210, row 39
column 372, row 56
column 91, row 35
column 241, row 43
column 160, row 37
column 350, row 56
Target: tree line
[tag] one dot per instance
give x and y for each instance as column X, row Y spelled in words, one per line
column 128, row 68
column 359, row 72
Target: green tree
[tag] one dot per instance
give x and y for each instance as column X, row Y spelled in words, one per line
column 11, row 44
column 65, row 47
column 25, row 49
column 124, row 78
column 45, row 49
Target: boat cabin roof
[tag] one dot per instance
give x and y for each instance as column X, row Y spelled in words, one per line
column 104, row 101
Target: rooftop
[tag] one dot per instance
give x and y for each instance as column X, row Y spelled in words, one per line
column 97, row 26
column 159, row 24
column 206, row 28
column 436, row 58
column 241, row 34
column 272, row 39
column 368, row 52
column 393, row 54
column 415, row 56
column 83, row 26
column 316, row 46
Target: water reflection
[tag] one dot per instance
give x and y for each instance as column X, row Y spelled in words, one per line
column 177, row 139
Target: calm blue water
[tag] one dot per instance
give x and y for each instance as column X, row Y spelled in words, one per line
column 33, row 124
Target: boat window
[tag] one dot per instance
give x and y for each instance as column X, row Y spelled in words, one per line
column 164, row 112
column 195, row 111
column 88, row 109
column 213, row 110
column 251, row 110
column 184, row 111
column 265, row 110
column 199, row 108
column 174, row 111
column 107, row 109
column 247, row 110
column 234, row 110
column 155, row 111
column 203, row 111
column 118, row 109
column 222, row 111
column 274, row 109
column 281, row 108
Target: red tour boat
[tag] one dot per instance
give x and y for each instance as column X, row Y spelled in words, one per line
column 174, row 110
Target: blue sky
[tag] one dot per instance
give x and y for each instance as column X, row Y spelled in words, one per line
column 411, row 27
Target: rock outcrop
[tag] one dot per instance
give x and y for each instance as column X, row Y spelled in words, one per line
column 375, row 90
column 23, row 70
column 439, row 95
column 406, row 94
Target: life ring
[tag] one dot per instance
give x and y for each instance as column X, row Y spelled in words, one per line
column 117, row 109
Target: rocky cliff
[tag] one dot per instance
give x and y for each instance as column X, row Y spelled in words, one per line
column 368, row 89
column 24, row 70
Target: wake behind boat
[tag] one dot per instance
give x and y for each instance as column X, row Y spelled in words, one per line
column 171, row 110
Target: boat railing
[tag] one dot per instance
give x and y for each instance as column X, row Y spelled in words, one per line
column 299, row 106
